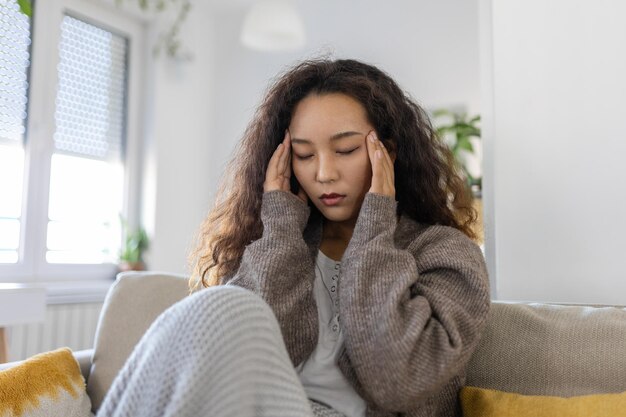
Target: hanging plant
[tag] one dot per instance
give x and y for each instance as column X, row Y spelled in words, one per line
column 169, row 40
column 25, row 7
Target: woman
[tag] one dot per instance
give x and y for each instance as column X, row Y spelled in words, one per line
column 345, row 215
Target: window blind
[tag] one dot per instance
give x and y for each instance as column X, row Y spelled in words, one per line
column 90, row 104
column 14, row 63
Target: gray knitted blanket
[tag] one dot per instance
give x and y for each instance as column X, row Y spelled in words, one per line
column 218, row 352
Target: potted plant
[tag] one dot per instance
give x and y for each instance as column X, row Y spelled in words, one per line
column 131, row 253
column 461, row 128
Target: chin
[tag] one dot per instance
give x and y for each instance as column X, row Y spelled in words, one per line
column 335, row 214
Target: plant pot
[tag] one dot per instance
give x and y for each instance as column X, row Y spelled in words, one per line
column 124, row 266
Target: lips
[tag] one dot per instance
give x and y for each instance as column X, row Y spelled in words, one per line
column 331, row 199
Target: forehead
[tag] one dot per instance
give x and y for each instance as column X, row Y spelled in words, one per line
column 327, row 113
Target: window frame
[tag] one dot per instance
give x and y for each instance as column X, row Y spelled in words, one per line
column 39, row 143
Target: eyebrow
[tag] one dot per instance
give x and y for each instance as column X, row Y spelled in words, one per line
column 334, row 137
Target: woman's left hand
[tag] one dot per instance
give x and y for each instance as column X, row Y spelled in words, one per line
column 382, row 167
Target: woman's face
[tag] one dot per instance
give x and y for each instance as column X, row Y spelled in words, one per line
column 329, row 153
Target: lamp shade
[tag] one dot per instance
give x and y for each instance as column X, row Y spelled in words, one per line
column 273, row 25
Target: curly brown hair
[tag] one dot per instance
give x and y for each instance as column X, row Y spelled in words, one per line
column 429, row 185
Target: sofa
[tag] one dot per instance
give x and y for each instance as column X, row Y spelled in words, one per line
column 527, row 348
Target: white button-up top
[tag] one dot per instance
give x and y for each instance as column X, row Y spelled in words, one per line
column 321, row 377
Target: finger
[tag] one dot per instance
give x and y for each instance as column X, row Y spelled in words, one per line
column 388, row 165
column 288, row 170
column 272, row 166
column 387, row 156
column 380, row 160
column 384, row 169
column 271, row 173
column 284, row 157
column 372, row 146
column 371, row 150
column 385, row 175
column 288, row 148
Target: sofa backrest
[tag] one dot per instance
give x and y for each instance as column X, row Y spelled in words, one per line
column 546, row 349
column 528, row 348
column 133, row 302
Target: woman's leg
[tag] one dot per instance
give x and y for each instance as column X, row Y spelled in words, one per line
column 218, row 352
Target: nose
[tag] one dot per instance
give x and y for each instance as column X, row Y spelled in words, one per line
column 327, row 169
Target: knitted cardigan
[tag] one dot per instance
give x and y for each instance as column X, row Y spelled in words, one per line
column 413, row 300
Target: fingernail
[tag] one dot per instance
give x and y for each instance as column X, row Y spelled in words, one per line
column 379, row 154
column 279, row 145
column 372, row 138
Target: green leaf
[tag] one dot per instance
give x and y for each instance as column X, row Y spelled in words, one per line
column 442, row 112
column 464, row 143
column 446, row 129
column 467, row 130
column 464, row 125
column 135, row 242
column 25, row 7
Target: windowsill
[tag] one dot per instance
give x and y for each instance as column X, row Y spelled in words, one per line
column 70, row 292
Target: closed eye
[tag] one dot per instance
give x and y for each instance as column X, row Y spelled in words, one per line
column 304, row 157
column 348, row 152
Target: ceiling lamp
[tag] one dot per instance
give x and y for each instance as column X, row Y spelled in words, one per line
column 273, row 25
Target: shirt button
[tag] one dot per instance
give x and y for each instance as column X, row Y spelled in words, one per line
column 334, row 277
column 333, row 288
column 335, row 327
column 336, row 266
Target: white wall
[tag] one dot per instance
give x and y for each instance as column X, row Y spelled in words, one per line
column 178, row 148
column 430, row 48
column 200, row 109
column 556, row 148
column 552, row 99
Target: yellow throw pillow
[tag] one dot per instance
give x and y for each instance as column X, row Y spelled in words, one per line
column 490, row 403
column 48, row 384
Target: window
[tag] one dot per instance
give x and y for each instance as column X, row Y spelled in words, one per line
column 69, row 138
column 86, row 180
column 14, row 64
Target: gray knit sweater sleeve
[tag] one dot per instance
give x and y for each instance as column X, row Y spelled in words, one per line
column 412, row 316
column 278, row 267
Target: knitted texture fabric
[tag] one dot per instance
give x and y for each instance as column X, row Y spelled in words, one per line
column 413, row 299
column 218, row 352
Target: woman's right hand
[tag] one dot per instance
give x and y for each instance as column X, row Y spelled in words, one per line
column 278, row 174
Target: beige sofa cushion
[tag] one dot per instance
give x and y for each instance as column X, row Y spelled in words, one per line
column 131, row 305
column 540, row 349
